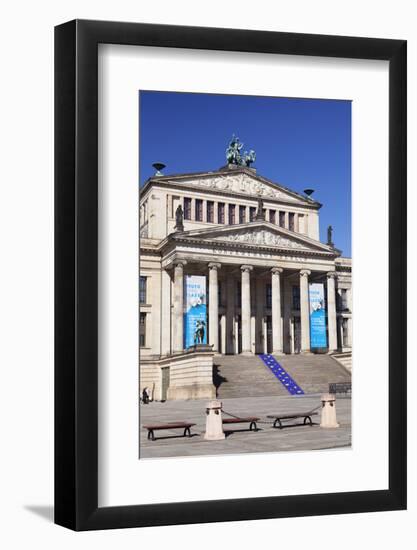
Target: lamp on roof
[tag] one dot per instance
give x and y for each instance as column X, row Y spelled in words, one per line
column 158, row 167
column 309, row 192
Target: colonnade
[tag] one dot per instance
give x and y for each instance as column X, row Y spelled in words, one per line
column 277, row 329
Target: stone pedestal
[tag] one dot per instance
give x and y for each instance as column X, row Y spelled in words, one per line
column 328, row 411
column 191, row 374
column 214, row 425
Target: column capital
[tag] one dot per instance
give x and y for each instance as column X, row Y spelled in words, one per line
column 179, row 262
column 332, row 275
column 276, row 270
column 214, row 265
column 246, row 267
column 305, row 272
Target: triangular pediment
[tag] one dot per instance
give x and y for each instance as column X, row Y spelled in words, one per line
column 259, row 234
column 241, row 181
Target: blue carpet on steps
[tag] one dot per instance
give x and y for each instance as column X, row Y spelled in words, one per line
column 292, row 387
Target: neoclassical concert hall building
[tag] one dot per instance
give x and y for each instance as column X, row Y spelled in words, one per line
column 255, row 245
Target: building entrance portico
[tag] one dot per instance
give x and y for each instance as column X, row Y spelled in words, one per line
column 253, row 308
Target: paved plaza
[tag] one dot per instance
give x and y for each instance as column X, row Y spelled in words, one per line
column 170, row 443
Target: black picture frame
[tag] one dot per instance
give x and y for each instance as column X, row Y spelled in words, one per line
column 76, row 272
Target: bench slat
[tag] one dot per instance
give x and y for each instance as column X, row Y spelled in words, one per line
column 240, row 420
column 291, row 415
column 168, row 426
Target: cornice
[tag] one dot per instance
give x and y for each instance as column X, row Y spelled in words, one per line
column 176, row 182
column 250, row 247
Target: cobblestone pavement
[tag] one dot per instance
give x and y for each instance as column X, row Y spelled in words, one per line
column 292, row 438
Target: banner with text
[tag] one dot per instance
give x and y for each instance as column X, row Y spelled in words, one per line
column 195, row 318
column 318, row 335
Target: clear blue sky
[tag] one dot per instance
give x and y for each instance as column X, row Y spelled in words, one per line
column 300, row 143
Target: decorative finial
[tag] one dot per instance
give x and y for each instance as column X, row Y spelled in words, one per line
column 309, row 192
column 330, row 236
column 158, row 167
column 234, row 156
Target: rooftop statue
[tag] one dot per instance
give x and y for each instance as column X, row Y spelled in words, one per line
column 330, row 236
column 249, row 157
column 260, row 214
column 234, row 156
column 179, row 219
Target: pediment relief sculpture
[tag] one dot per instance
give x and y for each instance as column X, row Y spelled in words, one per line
column 261, row 237
column 241, row 183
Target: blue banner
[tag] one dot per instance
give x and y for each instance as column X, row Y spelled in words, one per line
column 195, row 318
column 318, row 335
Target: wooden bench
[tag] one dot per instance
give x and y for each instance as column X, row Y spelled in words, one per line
column 168, row 426
column 252, row 420
column 340, row 387
column 292, row 416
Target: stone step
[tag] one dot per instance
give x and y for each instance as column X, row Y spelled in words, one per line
column 345, row 359
column 248, row 376
column 313, row 373
column 241, row 376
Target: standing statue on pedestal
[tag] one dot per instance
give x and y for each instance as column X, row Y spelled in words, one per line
column 260, row 214
column 330, row 236
column 179, row 219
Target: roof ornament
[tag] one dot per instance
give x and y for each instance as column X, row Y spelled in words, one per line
column 159, row 166
column 330, row 236
column 260, row 214
column 179, row 219
column 234, row 155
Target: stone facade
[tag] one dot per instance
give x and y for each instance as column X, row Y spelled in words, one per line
column 257, row 270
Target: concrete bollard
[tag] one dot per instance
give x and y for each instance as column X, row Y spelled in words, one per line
column 328, row 411
column 214, row 426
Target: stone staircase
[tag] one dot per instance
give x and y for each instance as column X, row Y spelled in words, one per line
column 248, row 376
column 344, row 359
column 244, row 376
column 313, row 373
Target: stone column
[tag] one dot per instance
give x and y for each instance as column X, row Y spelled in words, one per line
column 349, row 332
column 342, row 343
column 178, row 309
column 230, row 315
column 304, row 311
column 222, row 341
column 214, row 306
column 165, row 334
column 276, row 310
column 287, row 332
column 246, row 310
column 286, row 220
column 265, row 336
column 349, row 298
column 236, row 332
column 331, row 311
column 260, row 301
